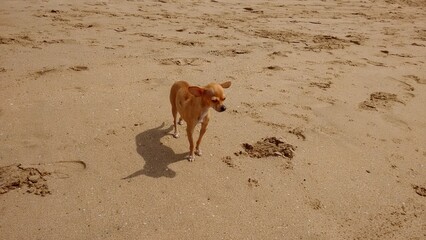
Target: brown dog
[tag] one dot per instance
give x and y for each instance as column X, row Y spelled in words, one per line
column 193, row 104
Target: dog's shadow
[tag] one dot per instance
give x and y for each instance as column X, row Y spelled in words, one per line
column 156, row 155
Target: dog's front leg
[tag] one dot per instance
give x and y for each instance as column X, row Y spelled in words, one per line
column 202, row 131
column 189, row 131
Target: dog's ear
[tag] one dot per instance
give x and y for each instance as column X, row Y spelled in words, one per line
column 226, row 84
column 196, row 91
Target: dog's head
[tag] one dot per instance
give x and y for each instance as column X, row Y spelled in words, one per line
column 212, row 94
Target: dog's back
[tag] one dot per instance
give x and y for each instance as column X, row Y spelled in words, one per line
column 174, row 90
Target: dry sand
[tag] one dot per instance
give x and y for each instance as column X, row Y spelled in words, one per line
column 85, row 121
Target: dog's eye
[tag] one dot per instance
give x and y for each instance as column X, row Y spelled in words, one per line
column 215, row 100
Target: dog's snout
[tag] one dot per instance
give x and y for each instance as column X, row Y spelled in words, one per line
column 222, row 108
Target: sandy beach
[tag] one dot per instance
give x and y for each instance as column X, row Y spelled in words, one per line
column 86, row 150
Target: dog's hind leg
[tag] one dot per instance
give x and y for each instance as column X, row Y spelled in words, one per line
column 174, row 113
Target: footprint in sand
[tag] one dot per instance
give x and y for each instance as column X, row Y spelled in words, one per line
column 35, row 177
column 190, row 43
column 348, row 63
column 251, row 10
column 326, row 42
column 61, row 169
column 120, row 29
column 43, row 72
column 79, row 68
column 385, row 101
column 321, row 85
column 274, row 68
column 380, row 100
column 416, row 78
column 229, row 162
column 275, row 54
column 252, row 182
column 298, row 132
column 83, row 25
column 23, row 40
column 374, row 63
column 314, row 203
column 229, row 52
column 183, row 61
column 420, row 190
column 406, row 86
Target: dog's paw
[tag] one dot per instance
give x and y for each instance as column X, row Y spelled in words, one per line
column 198, row 152
column 176, row 135
column 190, row 158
